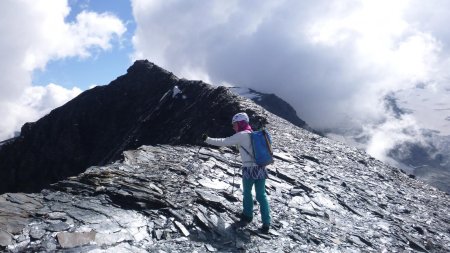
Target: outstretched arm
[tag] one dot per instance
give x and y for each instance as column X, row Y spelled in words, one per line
column 229, row 141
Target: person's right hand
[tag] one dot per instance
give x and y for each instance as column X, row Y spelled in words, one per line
column 204, row 137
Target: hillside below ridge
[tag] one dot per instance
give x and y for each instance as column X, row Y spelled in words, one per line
column 325, row 197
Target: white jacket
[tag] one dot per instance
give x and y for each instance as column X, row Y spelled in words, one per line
column 241, row 139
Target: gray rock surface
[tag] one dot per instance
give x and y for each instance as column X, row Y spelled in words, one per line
column 324, row 197
column 74, row 239
column 180, row 197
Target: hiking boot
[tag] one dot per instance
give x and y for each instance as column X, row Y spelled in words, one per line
column 244, row 219
column 265, row 229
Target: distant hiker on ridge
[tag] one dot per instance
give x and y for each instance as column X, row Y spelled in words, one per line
column 252, row 174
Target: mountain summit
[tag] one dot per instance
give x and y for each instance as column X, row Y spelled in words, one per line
column 173, row 195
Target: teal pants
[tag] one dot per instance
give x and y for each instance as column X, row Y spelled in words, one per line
column 260, row 185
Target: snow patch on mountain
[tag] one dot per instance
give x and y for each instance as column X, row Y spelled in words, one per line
column 246, row 92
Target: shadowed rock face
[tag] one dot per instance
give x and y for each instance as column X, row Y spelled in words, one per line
column 97, row 126
column 324, row 197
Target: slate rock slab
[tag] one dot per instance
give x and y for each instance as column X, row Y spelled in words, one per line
column 70, row 240
column 57, row 227
column 5, row 238
column 37, row 231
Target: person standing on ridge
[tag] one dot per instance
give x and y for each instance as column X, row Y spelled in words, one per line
column 252, row 174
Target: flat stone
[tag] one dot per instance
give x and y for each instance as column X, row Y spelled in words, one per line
column 14, row 225
column 296, row 192
column 211, row 199
column 156, row 188
column 107, row 226
column 174, row 213
column 22, row 239
column 285, row 157
column 219, row 223
column 308, row 168
column 213, row 184
column 336, row 241
column 280, row 173
column 181, row 228
column 210, row 248
column 311, row 158
column 324, row 201
column 85, row 216
column 57, row 215
column 296, row 237
column 302, row 203
column 110, row 239
column 202, row 219
column 26, row 202
column 308, row 212
column 74, row 239
column 157, row 234
column 57, row 196
column 37, row 231
column 273, row 232
column 57, row 227
column 50, row 244
column 5, row 238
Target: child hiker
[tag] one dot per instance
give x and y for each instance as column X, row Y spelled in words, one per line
column 252, row 174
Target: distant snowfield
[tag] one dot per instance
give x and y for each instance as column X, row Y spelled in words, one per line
column 245, row 92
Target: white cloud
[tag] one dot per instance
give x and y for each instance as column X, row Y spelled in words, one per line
column 56, row 39
column 394, row 131
column 334, row 61
column 35, row 32
column 35, row 102
column 43, row 99
column 352, row 49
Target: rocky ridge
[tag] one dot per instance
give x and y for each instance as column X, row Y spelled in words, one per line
column 324, row 196
column 273, row 104
column 138, row 108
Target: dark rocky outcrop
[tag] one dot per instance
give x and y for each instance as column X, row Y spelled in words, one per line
column 97, row 126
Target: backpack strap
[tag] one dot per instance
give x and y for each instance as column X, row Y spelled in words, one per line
column 246, row 151
column 252, row 156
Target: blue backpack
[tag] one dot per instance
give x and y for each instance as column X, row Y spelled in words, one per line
column 262, row 147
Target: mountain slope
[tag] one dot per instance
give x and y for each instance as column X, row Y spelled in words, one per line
column 324, row 196
column 170, row 195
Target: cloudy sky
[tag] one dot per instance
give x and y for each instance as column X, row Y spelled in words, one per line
column 334, row 61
